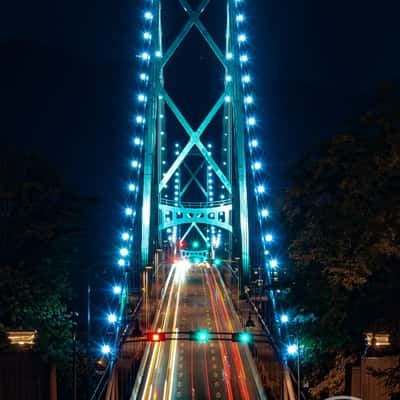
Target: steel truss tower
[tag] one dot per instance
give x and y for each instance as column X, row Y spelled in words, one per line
column 170, row 210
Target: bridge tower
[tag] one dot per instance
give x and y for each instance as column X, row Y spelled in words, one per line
column 194, row 194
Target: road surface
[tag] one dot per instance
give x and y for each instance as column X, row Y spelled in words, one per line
column 195, row 299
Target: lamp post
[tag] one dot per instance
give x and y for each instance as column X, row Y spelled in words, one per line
column 294, row 350
column 147, row 269
column 74, row 316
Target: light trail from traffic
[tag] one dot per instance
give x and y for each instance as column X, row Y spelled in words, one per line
column 206, row 369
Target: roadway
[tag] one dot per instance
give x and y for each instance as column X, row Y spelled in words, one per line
column 195, row 299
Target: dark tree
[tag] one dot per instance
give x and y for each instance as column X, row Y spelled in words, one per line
column 342, row 220
column 41, row 225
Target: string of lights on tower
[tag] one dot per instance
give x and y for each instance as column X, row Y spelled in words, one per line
column 240, row 58
column 257, row 168
column 123, row 256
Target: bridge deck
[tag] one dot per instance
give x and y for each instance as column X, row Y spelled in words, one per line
column 195, row 299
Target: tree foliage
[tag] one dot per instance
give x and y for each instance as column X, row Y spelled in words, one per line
column 41, row 224
column 342, row 220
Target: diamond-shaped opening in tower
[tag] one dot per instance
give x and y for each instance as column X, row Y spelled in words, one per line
column 194, row 162
column 194, row 78
column 214, row 18
column 174, row 18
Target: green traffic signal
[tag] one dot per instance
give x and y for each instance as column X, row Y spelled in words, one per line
column 242, row 337
column 200, row 336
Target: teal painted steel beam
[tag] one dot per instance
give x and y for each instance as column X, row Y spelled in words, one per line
column 240, row 151
column 194, row 141
column 149, row 147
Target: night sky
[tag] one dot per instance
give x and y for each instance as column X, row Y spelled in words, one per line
column 68, row 77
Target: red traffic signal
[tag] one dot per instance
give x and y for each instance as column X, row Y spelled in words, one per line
column 182, row 244
column 155, row 337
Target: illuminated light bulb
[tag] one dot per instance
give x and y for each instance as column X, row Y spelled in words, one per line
column 117, row 289
column 145, row 56
column 143, row 77
column 242, row 38
column 228, row 78
column 248, row 100
column 246, row 78
column 125, row 236
column 124, row 252
column 147, row 35
column 266, row 252
column 106, row 349
column 137, row 141
column 134, row 164
column 292, row 349
column 273, row 263
column 268, row 237
column 257, row 165
column 139, row 119
column 284, row 318
column 260, row 189
column 244, row 58
column 176, row 144
column 264, row 213
column 128, row 211
column 112, row 318
column 141, row 97
column 131, row 187
column 240, row 18
column 251, row 121
column 229, row 56
column 228, row 99
column 148, row 15
column 121, row 262
column 158, row 54
column 254, row 143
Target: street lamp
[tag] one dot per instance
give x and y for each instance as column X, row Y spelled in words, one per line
column 284, row 318
column 293, row 350
column 147, row 269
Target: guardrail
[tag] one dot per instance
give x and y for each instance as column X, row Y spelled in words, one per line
column 101, row 387
column 187, row 204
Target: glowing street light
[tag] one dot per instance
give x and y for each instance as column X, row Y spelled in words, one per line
column 112, row 318
column 117, row 289
column 106, row 349
column 284, row 318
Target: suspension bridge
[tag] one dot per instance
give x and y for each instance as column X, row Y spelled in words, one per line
column 197, row 230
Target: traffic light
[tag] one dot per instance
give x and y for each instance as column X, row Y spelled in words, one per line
column 199, row 336
column 242, row 337
column 155, row 337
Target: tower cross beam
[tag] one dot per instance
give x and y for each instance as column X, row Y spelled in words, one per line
column 194, row 141
column 194, row 20
column 193, row 177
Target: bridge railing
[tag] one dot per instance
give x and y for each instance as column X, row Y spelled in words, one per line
column 204, row 204
column 103, row 385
